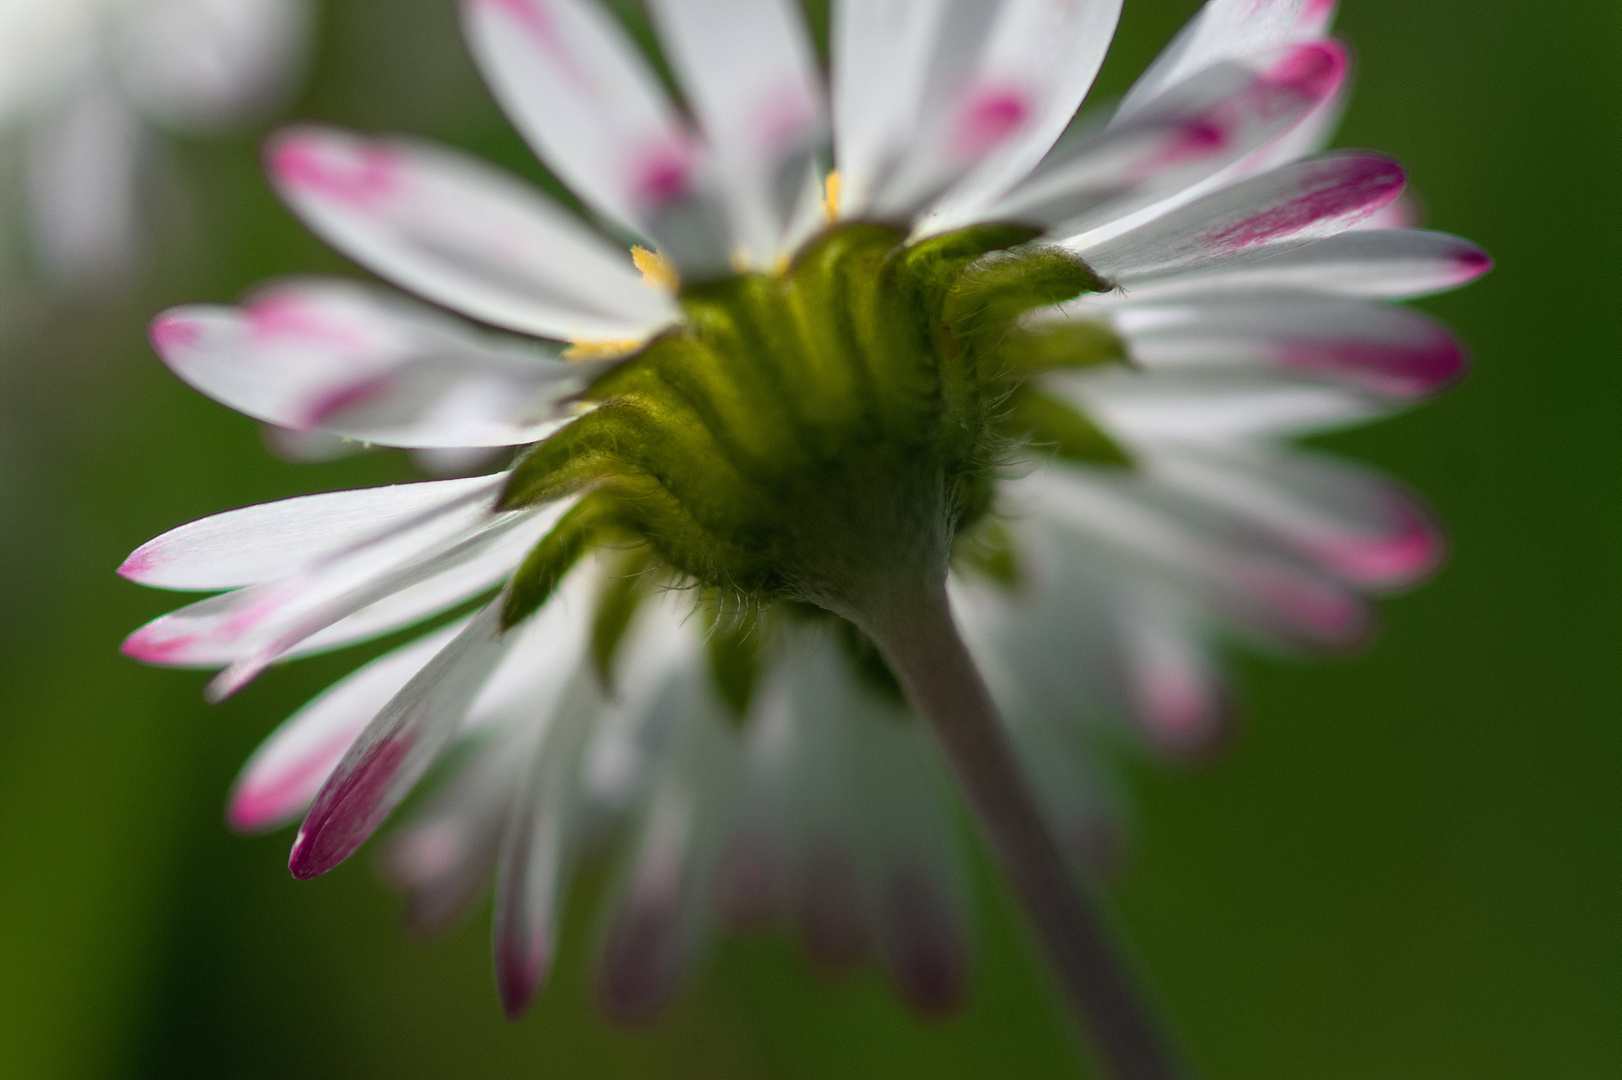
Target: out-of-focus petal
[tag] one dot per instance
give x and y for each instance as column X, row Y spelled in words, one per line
column 82, row 167
column 536, row 849
column 1269, row 593
column 1211, row 408
column 1362, row 528
column 1174, row 689
column 464, row 234
column 355, row 361
column 442, row 857
column 664, row 907
column 1223, row 30
column 208, row 63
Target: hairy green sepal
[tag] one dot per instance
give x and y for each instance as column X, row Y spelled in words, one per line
column 803, row 434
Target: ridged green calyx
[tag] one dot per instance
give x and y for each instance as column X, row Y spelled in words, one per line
column 801, row 435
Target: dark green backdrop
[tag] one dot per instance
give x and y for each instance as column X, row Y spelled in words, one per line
column 1407, row 865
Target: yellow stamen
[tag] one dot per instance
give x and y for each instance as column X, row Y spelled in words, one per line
column 830, row 195
column 656, row 269
column 582, row 349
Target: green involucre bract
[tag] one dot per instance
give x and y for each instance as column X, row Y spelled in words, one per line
column 800, row 435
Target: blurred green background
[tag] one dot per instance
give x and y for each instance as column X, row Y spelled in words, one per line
column 1408, row 865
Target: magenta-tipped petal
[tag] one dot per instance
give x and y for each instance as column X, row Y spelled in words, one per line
column 925, row 942
column 640, row 965
column 830, row 908
column 346, row 814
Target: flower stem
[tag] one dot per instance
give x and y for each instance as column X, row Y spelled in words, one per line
column 916, row 632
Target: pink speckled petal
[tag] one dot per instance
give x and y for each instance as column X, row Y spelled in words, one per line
column 1038, row 61
column 1226, row 30
column 751, row 78
column 1257, row 219
column 270, row 540
column 464, row 234
column 1187, row 136
column 574, row 85
column 281, row 779
column 397, row 747
column 358, row 362
column 927, row 94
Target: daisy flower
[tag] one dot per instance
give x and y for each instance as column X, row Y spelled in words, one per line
column 863, row 418
column 82, row 83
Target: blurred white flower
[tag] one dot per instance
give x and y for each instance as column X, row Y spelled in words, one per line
column 890, row 321
column 82, row 82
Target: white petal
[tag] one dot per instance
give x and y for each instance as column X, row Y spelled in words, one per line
column 358, row 362
column 363, row 591
column 1257, row 219
column 549, row 647
column 1223, row 30
column 1373, row 263
column 410, row 596
column 397, row 747
column 751, row 78
column 274, row 539
column 1212, row 408
column 463, row 234
column 447, row 850
column 635, row 728
column 282, row 777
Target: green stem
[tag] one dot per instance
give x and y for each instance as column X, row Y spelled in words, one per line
column 916, row 632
